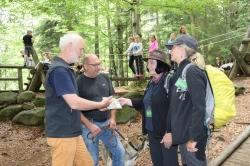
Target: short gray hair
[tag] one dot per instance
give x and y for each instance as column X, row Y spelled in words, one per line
column 69, row 38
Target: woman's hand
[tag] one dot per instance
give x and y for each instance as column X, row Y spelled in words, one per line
column 125, row 101
column 191, row 146
column 167, row 140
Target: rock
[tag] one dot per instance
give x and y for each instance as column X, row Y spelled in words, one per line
column 25, row 96
column 8, row 98
column 2, row 106
column 30, row 117
column 239, row 90
column 126, row 114
column 134, row 95
column 39, row 101
column 9, row 112
column 28, row 106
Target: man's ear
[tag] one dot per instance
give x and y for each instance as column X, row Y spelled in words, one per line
column 83, row 68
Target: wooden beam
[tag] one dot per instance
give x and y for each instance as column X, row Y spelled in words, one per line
column 247, row 57
column 246, row 41
column 8, row 79
column 243, row 48
column 240, row 61
column 34, row 55
column 20, row 79
column 15, row 67
column 36, row 82
column 10, row 67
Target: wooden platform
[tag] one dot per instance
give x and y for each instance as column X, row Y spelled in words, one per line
column 240, row 157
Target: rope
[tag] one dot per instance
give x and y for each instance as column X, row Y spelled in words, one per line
column 221, row 35
column 221, row 40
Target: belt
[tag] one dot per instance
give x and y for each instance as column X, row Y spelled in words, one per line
column 97, row 120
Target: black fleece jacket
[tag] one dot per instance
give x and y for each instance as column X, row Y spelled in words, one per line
column 159, row 106
column 186, row 114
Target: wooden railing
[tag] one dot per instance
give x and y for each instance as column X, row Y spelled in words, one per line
column 19, row 77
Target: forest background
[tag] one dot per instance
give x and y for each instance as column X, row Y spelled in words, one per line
column 107, row 24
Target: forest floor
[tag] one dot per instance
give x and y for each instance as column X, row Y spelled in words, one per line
column 26, row 146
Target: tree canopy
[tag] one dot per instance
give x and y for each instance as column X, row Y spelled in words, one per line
column 106, row 24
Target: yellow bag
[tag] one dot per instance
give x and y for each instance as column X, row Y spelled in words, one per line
column 224, row 95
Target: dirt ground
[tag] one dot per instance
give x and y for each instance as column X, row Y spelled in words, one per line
column 26, row 146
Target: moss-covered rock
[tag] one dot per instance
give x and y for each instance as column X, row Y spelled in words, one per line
column 25, row 96
column 239, row 90
column 126, row 114
column 8, row 98
column 134, row 95
column 28, row 106
column 39, row 101
column 9, row 112
column 33, row 117
column 2, row 106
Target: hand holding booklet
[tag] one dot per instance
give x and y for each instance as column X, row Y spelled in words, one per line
column 115, row 104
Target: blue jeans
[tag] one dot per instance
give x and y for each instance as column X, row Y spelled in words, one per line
column 110, row 140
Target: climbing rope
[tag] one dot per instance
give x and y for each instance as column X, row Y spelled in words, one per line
column 222, row 35
column 221, row 40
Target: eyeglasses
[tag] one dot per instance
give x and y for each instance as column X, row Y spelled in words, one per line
column 94, row 65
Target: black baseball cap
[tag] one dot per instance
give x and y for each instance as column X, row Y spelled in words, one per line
column 184, row 39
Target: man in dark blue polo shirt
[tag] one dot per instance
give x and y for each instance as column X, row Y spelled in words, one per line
column 62, row 115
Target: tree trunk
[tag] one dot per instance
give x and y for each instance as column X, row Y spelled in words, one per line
column 158, row 30
column 97, row 52
column 136, row 18
column 112, row 64
column 120, row 30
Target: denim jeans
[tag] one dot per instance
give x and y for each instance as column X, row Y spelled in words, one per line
column 110, row 140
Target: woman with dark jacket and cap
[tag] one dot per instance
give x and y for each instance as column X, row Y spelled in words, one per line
column 154, row 109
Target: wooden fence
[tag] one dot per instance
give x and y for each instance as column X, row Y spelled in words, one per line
column 18, row 78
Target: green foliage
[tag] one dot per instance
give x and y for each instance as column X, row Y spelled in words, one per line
column 50, row 31
column 207, row 20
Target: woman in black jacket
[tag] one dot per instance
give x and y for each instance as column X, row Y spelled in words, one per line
column 154, row 108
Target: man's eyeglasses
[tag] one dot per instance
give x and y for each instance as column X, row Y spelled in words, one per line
column 94, row 65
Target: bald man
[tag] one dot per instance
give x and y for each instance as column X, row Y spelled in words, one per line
column 98, row 125
column 62, row 115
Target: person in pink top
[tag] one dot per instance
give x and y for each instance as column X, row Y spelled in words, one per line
column 153, row 45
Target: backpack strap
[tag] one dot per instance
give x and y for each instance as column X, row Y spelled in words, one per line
column 167, row 80
column 184, row 71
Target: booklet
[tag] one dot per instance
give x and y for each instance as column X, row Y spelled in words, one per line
column 114, row 105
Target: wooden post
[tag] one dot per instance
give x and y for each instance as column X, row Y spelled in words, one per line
column 241, row 62
column 20, row 79
column 36, row 81
column 34, row 55
column 243, row 48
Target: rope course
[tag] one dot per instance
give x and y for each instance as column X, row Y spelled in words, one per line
column 221, row 40
column 240, row 29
